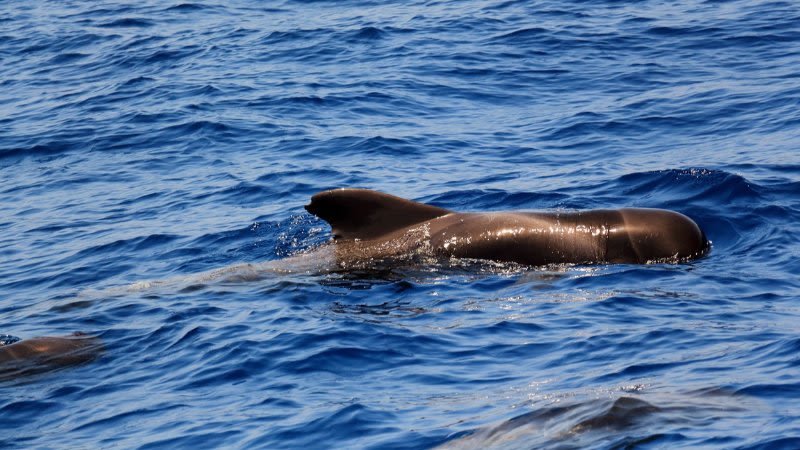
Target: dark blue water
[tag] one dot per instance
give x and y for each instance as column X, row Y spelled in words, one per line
column 152, row 140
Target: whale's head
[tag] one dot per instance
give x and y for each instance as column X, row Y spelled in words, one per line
column 654, row 235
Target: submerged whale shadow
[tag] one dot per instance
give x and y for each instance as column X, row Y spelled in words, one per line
column 618, row 422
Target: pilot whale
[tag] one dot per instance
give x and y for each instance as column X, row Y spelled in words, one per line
column 370, row 228
column 40, row 354
column 371, row 225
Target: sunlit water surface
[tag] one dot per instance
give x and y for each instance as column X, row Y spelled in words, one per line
column 154, row 140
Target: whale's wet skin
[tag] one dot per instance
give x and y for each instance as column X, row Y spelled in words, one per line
column 372, row 230
column 21, row 358
column 155, row 158
column 371, row 225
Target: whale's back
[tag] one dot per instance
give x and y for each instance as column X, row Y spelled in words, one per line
column 366, row 214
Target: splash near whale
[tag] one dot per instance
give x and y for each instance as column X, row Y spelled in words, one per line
column 368, row 224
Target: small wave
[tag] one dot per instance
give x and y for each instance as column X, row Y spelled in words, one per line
column 345, row 361
column 280, row 37
column 368, row 34
column 780, row 390
column 527, row 33
column 498, row 199
column 128, row 22
column 126, row 245
column 199, row 127
column 187, row 7
column 356, row 418
column 699, row 186
column 69, row 57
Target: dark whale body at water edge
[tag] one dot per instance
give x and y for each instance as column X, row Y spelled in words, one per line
column 371, row 227
column 41, row 354
column 368, row 224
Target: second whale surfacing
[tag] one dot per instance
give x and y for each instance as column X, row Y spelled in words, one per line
column 42, row 354
column 369, row 225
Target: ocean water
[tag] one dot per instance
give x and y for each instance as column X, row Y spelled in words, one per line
column 160, row 139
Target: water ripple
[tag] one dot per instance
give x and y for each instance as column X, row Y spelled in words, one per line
column 155, row 141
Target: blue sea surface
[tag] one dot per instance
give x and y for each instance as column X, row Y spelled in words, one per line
column 155, row 140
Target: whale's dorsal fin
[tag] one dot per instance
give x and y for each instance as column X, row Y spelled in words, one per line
column 365, row 214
